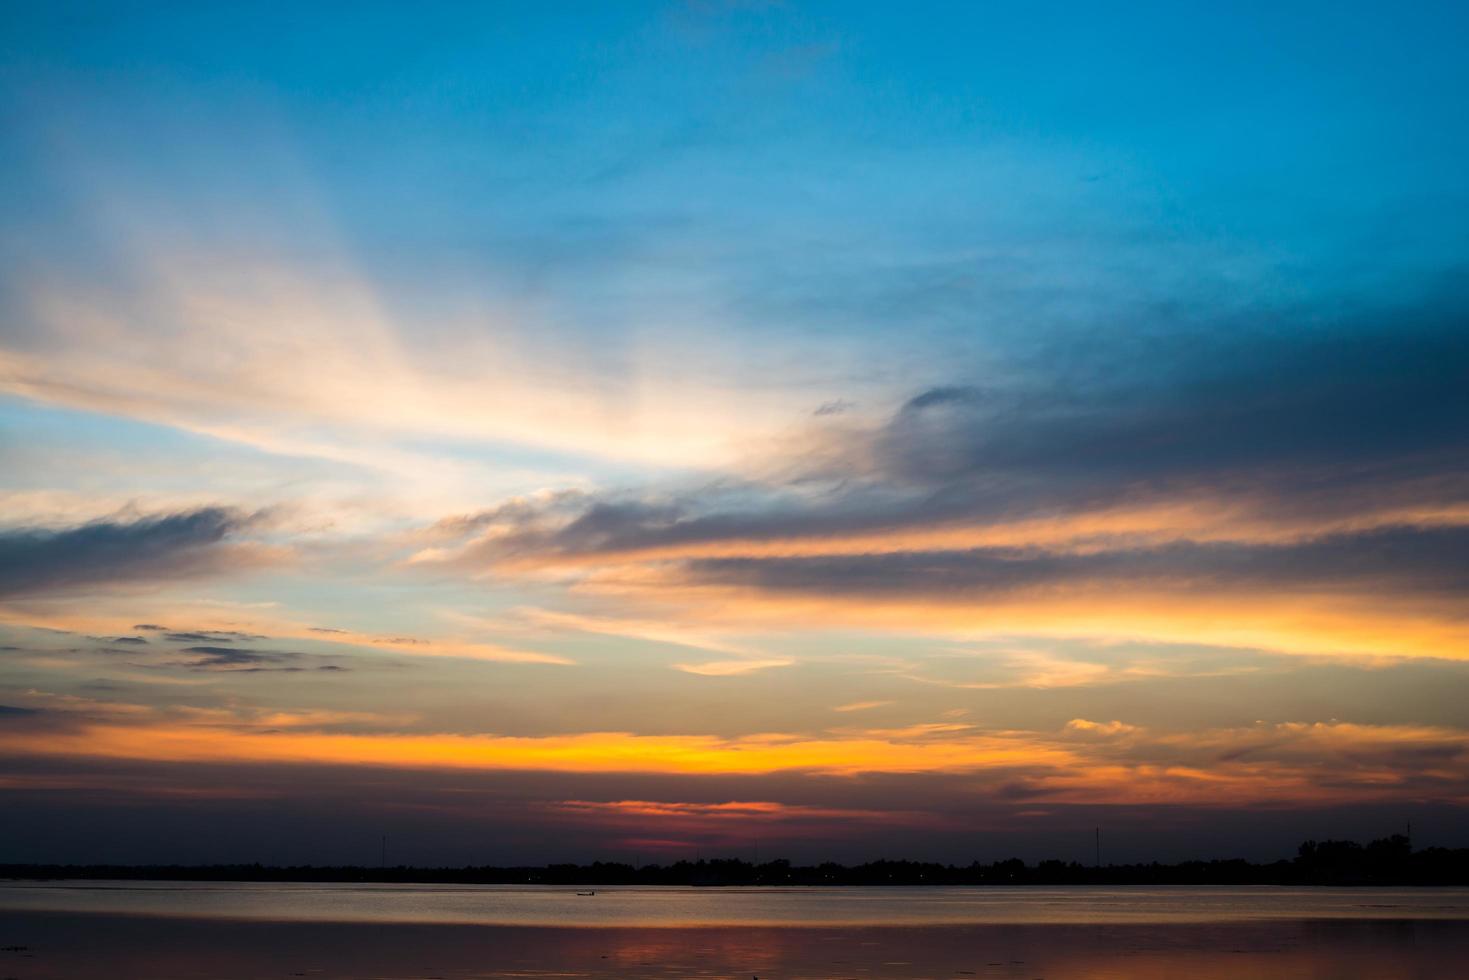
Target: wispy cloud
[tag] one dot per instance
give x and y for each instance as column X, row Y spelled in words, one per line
column 732, row 668
column 861, row 705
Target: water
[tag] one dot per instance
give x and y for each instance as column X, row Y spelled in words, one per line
column 247, row 931
column 682, row 907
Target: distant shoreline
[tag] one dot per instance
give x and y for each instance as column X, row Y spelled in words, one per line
column 1387, row 862
column 431, row 876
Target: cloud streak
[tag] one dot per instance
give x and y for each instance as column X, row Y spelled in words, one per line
column 237, row 660
column 113, row 553
column 1296, row 455
column 1085, row 762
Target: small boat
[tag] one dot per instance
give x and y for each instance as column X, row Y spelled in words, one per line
column 586, row 893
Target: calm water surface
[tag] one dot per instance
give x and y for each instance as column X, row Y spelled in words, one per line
column 224, row 931
column 559, row 906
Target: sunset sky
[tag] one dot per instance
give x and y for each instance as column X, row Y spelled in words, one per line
column 568, row 431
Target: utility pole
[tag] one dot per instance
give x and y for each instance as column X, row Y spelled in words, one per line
column 382, row 857
column 1099, row 847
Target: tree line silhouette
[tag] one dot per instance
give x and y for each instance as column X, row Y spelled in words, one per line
column 1389, row 861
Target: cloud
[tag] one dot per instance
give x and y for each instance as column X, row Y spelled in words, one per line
column 242, row 661
column 1286, row 764
column 732, row 668
column 653, row 631
column 1008, row 669
column 730, row 821
column 861, row 705
column 115, row 553
column 189, row 337
column 211, row 636
column 834, row 407
column 451, row 647
column 1285, row 413
column 261, row 626
column 211, row 656
column 1285, row 453
column 1100, row 728
column 941, row 396
column 1425, row 562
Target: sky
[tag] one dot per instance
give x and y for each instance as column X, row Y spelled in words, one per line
column 642, row 431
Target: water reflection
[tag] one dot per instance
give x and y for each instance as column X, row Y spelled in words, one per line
column 68, row 946
column 631, row 907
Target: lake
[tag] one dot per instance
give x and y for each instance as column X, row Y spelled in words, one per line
column 157, row 930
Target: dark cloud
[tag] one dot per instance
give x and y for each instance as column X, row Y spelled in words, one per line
column 113, row 552
column 1287, row 416
column 1278, row 409
column 609, row 521
column 285, row 670
column 150, row 626
column 11, row 711
column 834, row 407
column 129, row 639
column 212, row 656
column 1426, row 562
column 212, row 636
column 239, row 660
column 945, row 395
column 580, row 523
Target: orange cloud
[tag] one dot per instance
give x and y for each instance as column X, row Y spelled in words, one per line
column 731, row 668
column 1310, row 623
column 1196, row 519
column 733, row 811
column 1084, row 762
column 591, row 752
column 275, row 629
